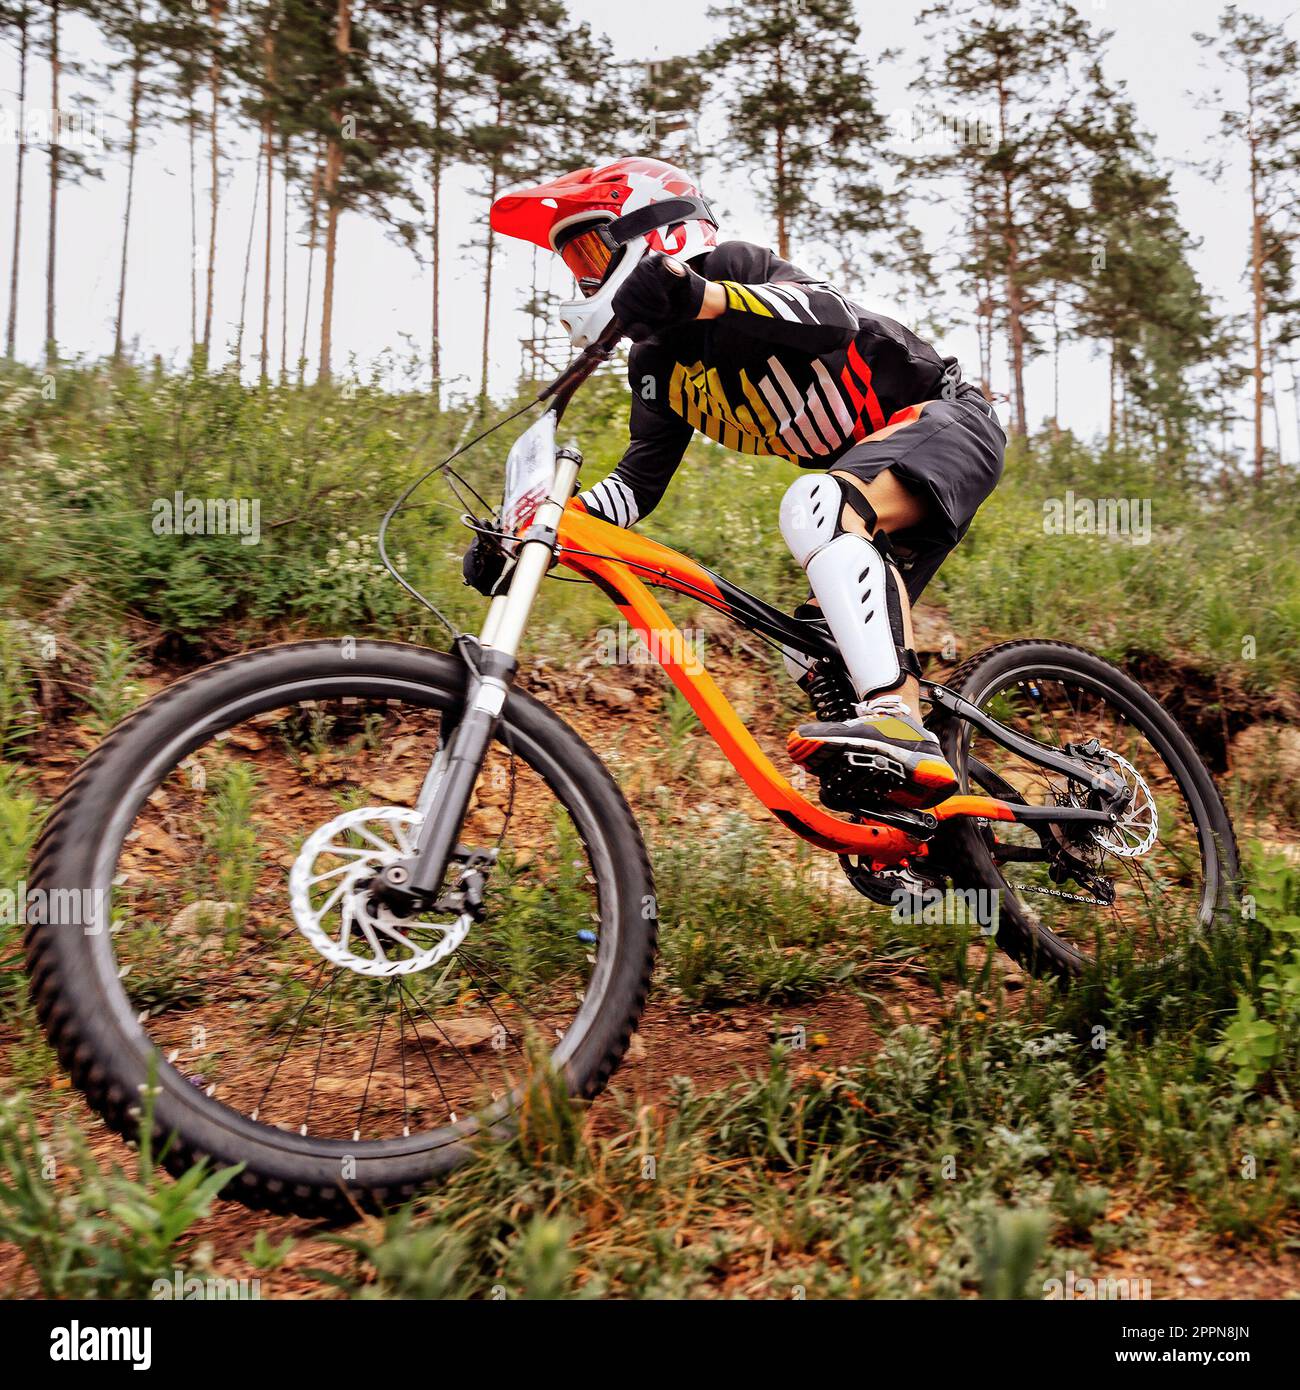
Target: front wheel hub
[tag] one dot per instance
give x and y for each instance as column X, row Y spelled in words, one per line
column 336, row 906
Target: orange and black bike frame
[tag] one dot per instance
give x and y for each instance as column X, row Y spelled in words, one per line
column 625, row 566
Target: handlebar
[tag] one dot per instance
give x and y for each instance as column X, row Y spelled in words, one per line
column 582, row 366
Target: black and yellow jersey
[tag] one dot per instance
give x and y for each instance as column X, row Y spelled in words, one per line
column 791, row 369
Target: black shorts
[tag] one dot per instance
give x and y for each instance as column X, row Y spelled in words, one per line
column 951, row 456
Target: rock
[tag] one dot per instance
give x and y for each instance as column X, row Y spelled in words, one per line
column 248, row 739
column 635, row 1049
column 464, row 1033
column 402, row 790
column 488, row 820
column 199, row 931
column 714, row 771
column 378, row 1088
column 494, row 790
column 615, row 696
column 157, row 841
column 203, row 917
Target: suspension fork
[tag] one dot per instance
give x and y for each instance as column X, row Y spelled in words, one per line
column 491, row 675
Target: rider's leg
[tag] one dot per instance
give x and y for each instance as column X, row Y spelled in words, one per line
column 896, row 509
column 835, row 531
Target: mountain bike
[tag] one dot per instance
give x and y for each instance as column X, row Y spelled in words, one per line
column 336, row 902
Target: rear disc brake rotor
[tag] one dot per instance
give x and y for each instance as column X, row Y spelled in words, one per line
column 1136, row 830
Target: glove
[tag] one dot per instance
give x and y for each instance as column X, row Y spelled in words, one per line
column 483, row 564
column 660, row 293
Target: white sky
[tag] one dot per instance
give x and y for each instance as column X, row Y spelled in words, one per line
column 383, row 297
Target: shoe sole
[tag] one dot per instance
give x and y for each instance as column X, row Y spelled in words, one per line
column 920, row 780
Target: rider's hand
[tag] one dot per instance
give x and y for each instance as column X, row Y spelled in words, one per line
column 483, row 564
column 660, row 293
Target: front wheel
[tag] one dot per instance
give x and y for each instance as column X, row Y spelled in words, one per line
column 1062, row 896
column 211, row 862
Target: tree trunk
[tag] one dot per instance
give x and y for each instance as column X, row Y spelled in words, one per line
column 11, row 331
column 487, row 293
column 435, row 230
column 268, row 48
column 333, row 168
column 1256, row 283
column 284, row 259
column 214, row 84
column 493, row 189
column 782, row 231
column 192, row 117
column 1110, row 424
column 248, row 259
column 51, row 347
column 1295, row 399
column 1015, row 303
column 132, row 147
column 1056, row 374
column 314, row 215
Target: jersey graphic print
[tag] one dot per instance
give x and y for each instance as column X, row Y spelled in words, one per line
column 792, row 369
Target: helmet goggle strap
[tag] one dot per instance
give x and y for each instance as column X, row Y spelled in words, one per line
column 591, row 252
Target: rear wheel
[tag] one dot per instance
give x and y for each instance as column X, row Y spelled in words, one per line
column 227, row 833
column 1064, row 896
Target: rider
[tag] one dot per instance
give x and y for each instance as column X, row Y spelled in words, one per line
column 764, row 358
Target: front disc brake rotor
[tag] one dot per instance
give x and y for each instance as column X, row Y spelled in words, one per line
column 330, row 894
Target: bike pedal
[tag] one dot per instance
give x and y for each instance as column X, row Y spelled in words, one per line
column 878, row 765
column 861, row 780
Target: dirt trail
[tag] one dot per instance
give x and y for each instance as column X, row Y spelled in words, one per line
column 620, row 711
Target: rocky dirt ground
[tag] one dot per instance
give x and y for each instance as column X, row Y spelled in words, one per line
column 619, row 709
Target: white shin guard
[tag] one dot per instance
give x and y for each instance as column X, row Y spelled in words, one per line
column 850, row 579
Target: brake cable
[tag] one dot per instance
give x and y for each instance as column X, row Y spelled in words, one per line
column 562, row 389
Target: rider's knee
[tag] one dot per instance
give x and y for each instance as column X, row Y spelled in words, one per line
column 813, row 511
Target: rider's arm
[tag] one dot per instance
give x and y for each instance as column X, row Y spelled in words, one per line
column 760, row 296
column 634, row 488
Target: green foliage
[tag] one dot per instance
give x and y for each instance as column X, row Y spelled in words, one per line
column 231, row 840
column 1266, row 1026
column 112, row 695
column 738, row 924
column 92, row 1231
column 21, row 817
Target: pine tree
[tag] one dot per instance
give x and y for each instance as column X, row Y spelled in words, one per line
column 137, row 34
column 1262, row 114
column 435, row 65
column 1132, row 287
column 800, row 109
column 55, row 154
column 68, row 162
column 1034, row 67
column 17, row 19
column 214, row 49
column 374, row 140
column 182, row 38
column 513, row 61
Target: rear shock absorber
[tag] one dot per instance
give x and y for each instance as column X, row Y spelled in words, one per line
column 831, row 693
column 834, row 700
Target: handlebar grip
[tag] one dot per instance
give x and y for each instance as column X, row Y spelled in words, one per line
column 610, row 337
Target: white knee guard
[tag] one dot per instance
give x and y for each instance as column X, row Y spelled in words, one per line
column 850, row 579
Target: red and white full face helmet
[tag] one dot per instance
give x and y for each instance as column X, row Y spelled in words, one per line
column 601, row 222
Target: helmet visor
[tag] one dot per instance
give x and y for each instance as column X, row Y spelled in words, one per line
column 589, row 257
